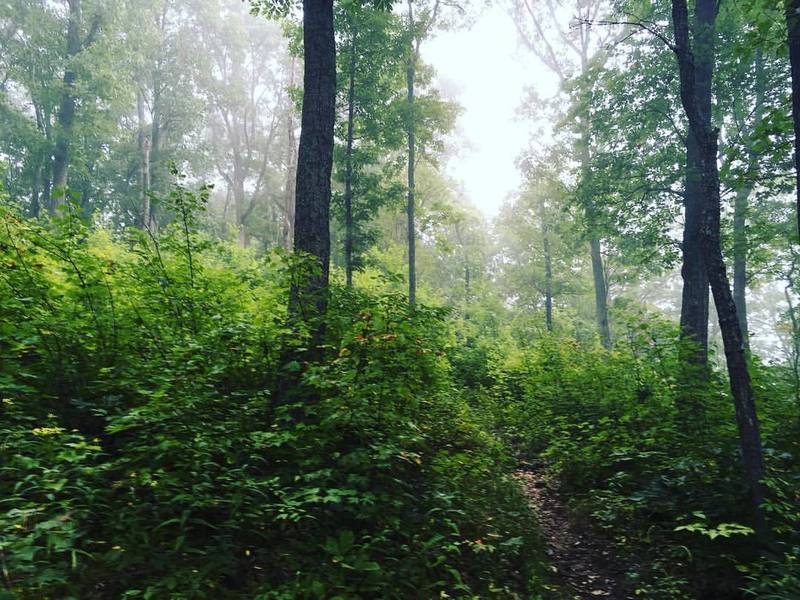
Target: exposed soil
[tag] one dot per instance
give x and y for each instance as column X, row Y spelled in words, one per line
column 582, row 561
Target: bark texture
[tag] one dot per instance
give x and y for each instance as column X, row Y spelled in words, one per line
column 348, row 177
column 309, row 299
column 411, row 72
column 793, row 40
column 706, row 138
column 741, row 208
column 695, row 301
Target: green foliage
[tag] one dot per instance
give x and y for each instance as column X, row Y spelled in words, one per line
column 657, row 470
column 152, row 447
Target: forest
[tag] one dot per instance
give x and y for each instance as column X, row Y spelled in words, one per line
column 258, row 340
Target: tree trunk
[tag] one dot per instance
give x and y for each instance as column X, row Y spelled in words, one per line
column 600, row 291
column 36, row 203
column 793, row 39
column 348, row 177
column 595, row 247
column 411, row 72
column 795, row 333
column 548, row 282
column 315, row 158
column 706, row 138
column 735, row 354
column 291, row 168
column 239, row 198
column 741, row 207
column 695, row 300
column 66, row 113
column 144, row 165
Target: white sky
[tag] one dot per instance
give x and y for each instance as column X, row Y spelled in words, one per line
column 487, row 71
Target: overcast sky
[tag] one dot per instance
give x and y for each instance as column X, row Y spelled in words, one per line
column 487, row 71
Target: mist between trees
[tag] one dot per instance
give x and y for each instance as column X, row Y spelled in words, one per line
column 255, row 342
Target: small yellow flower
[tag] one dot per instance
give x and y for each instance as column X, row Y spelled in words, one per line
column 46, row 430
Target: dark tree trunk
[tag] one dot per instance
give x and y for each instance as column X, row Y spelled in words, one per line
column 315, row 158
column 793, row 39
column 411, row 72
column 66, row 113
column 695, row 301
column 707, row 144
column 348, row 177
column 600, row 290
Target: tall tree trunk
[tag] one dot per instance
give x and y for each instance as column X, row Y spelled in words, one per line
column 155, row 146
column 290, row 187
column 695, row 300
column 741, row 207
column 411, row 73
column 291, row 167
column 36, row 203
column 144, row 165
column 707, row 143
column 793, row 40
column 600, row 290
column 315, row 158
column 348, row 177
column 795, row 332
column 595, row 246
column 66, row 113
column 239, row 198
column 548, row 281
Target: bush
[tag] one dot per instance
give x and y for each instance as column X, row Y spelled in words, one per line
column 164, row 436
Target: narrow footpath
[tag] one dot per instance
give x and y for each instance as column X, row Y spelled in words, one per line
column 583, row 564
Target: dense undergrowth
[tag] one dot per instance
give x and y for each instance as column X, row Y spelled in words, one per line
column 654, row 465
column 164, row 435
column 151, row 448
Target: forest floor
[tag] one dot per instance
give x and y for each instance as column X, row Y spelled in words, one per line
column 582, row 561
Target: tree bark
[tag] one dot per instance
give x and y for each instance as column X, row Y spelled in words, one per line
column 411, row 71
column 741, row 207
column 291, row 168
column 706, row 138
column 600, row 290
column 144, row 165
column 595, row 246
column 548, row 282
column 348, row 177
column 793, row 40
column 66, row 113
column 315, row 159
column 695, row 300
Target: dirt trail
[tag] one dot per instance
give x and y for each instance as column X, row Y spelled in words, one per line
column 582, row 562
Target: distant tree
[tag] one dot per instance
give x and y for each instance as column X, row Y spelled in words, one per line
column 541, row 27
column 793, row 42
column 369, row 136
